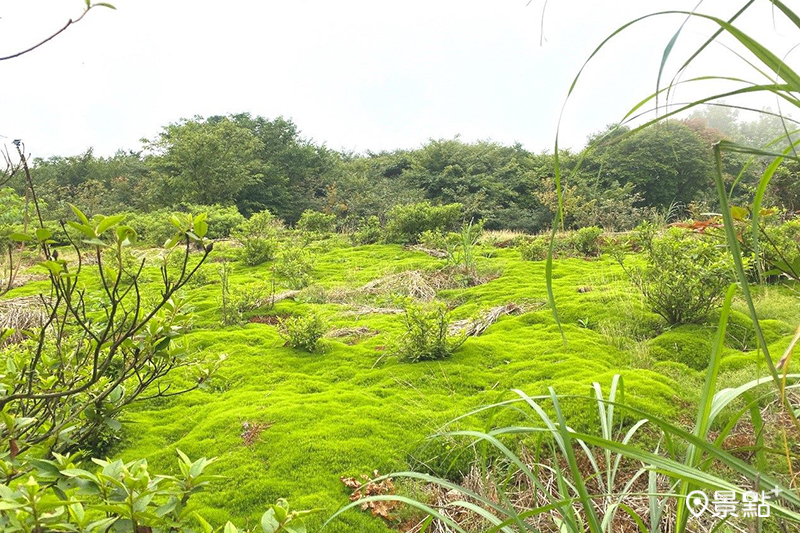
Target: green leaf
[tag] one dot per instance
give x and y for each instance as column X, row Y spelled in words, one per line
column 109, row 222
column 739, row 213
column 20, row 237
column 42, row 234
column 80, row 215
column 200, row 228
column 83, row 228
column 207, row 528
column 105, row 4
column 95, row 242
column 53, row 266
column 269, row 524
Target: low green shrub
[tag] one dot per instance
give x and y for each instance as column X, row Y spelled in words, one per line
column 295, row 264
column 685, row 277
column 369, row 231
column 256, row 251
column 407, row 222
column 534, row 249
column 587, row 241
column 426, row 336
column 303, row 332
column 316, row 222
column 259, row 238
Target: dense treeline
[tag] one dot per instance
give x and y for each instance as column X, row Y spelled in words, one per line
column 255, row 164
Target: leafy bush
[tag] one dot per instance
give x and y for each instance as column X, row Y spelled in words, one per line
column 154, row 228
column 407, row 222
column 316, row 222
column 303, row 332
column 426, row 336
column 587, row 241
column 685, row 277
column 85, row 381
column 256, row 251
column 117, row 496
column 295, row 264
column 369, row 232
column 780, row 248
column 536, row 249
column 259, row 238
column 222, row 220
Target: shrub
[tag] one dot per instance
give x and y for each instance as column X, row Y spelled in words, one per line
column 153, row 228
column 259, row 238
column 407, row 222
column 369, row 232
column 315, row 222
column 256, row 251
column 84, row 382
column 780, row 248
column 295, row 264
column 534, row 249
column 303, row 332
column 222, row 220
column 685, row 277
column 587, row 241
column 426, row 336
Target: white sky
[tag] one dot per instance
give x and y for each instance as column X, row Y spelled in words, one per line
column 358, row 75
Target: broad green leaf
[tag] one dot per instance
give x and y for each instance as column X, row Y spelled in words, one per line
column 20, row 237
column 42, row 234
column 95, row 242
column 269, row 524
column 80, row 215
column 86, row 229
column 109, row 222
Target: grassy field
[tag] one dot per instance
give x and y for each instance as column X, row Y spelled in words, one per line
column 286, row 423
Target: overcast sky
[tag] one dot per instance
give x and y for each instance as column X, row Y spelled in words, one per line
column 355, row 75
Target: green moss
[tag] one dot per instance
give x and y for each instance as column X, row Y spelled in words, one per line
column 350, row 410
column 689, row 344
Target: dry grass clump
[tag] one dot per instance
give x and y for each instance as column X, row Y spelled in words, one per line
column 21, row 313
column 433, row 252
column 412, row 283
column 519, row 492
column 501, row 238
column 472, row 327
column 352, row 335
column 416, row 284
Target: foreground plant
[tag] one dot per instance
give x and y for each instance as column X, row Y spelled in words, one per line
column 576, row 480
column 99, row 348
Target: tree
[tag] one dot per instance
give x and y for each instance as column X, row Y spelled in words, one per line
column 293, row 173
column 205, row 161
column 666, row 163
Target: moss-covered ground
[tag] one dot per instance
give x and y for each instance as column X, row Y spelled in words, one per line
column 350, row 409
